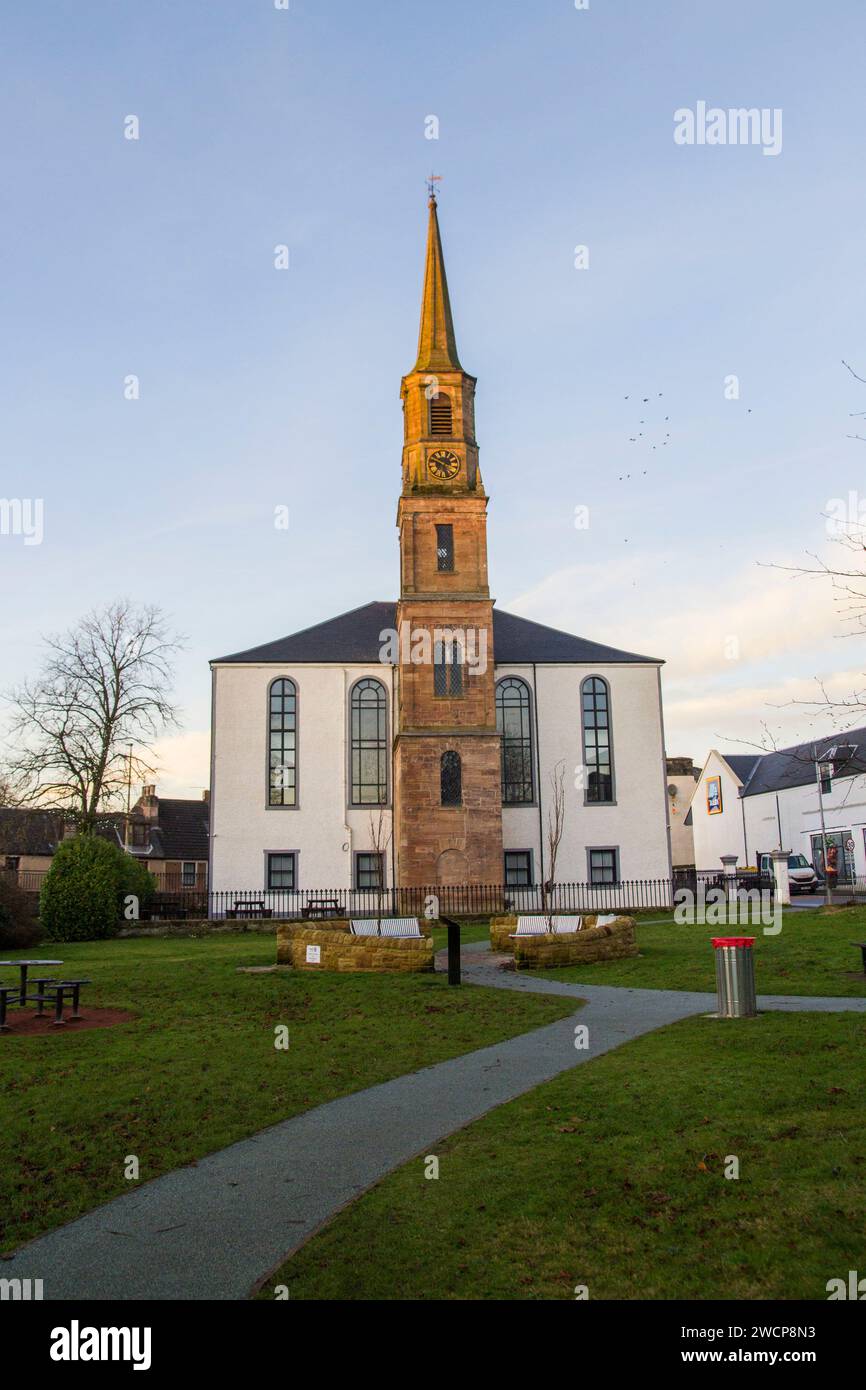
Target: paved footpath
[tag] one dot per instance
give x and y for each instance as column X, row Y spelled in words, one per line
column 212, row 1230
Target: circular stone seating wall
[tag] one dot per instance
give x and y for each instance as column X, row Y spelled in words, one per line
column 613, row 942
column 339, row 950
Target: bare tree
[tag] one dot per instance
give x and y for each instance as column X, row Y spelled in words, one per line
column 103, row 687
column 555, row 828
column 8, row 792
column 380, row 835
column 846, row 525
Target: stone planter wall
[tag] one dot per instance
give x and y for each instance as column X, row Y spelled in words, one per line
column 339, row 950
column 203, row 926
column 614, row 942
column 503, row 928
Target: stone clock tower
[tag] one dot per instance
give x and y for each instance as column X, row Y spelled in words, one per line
column 447, row 794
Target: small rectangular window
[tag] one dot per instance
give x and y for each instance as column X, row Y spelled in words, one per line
column 518, row 868
column 281, row 870
column 369, row 871
column 445, row 548
column 188, row 874
column 603, row 866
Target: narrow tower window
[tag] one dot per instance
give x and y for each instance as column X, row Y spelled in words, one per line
column 451, row 777
column 445, row 549
column 440, row 414
column 447, row 668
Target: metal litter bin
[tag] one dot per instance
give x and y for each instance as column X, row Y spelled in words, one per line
column 735, row 976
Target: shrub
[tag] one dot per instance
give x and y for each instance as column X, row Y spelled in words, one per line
column 83, row 890
column 135, row 879
column 18, row 924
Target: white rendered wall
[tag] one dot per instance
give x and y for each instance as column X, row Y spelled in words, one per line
column 722, row 833
column 637, row 823
column 243, row 827
column 844, row 809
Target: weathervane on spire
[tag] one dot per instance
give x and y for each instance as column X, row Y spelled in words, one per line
column 431, row 186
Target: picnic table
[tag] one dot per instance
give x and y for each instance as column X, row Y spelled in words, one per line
column 24, row 966
column 50, row 990
column 249, row 909
column 321, row 907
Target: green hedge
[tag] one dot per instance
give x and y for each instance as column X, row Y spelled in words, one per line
column 82, row 897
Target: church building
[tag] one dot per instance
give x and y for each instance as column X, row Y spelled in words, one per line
column 427, row 741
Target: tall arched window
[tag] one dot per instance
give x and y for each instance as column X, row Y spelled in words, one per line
column 513, row 721
column 451, row 779
column 597, row 746
column 283, row 743
column 369, row 736
column 440, row 414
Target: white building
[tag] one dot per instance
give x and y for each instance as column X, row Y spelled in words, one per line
column 340, row 761
column 317, row 833
column 750, row 804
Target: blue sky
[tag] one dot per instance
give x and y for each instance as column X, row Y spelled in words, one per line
column 262, row 388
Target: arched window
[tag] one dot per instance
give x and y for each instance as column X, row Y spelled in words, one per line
column 283, row 743
column 440, row 414
column 451, row 778
column 513, row 722
column 369, row 736
column 597, row 747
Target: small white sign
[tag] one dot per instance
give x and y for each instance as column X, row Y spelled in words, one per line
column 314, row 955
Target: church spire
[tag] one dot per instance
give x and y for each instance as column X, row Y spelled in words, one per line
column 437, row 348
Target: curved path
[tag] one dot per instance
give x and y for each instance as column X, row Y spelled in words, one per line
column 216, row 1229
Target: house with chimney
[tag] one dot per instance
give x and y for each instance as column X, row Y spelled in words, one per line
column 168, row 835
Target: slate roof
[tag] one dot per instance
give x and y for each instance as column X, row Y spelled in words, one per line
column 742, row 763
column 795, row 767
column 354, row 637
column 181, row 833
column 25, row 831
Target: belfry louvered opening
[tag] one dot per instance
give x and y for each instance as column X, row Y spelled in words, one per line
column 440, row 414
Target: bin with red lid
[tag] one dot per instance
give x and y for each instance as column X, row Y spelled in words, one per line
column 735, row 976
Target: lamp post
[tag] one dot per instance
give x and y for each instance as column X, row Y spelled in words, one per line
column 819, row 779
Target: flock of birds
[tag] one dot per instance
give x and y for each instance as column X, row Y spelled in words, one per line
column 651, row 431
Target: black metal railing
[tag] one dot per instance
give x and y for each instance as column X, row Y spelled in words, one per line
column 454, row 900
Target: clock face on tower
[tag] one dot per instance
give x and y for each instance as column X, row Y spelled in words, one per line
column 443, row 464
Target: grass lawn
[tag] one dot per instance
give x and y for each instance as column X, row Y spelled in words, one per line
column 469, row 931
column 198, row 1068
column 613, row 1176
column 812, row 954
